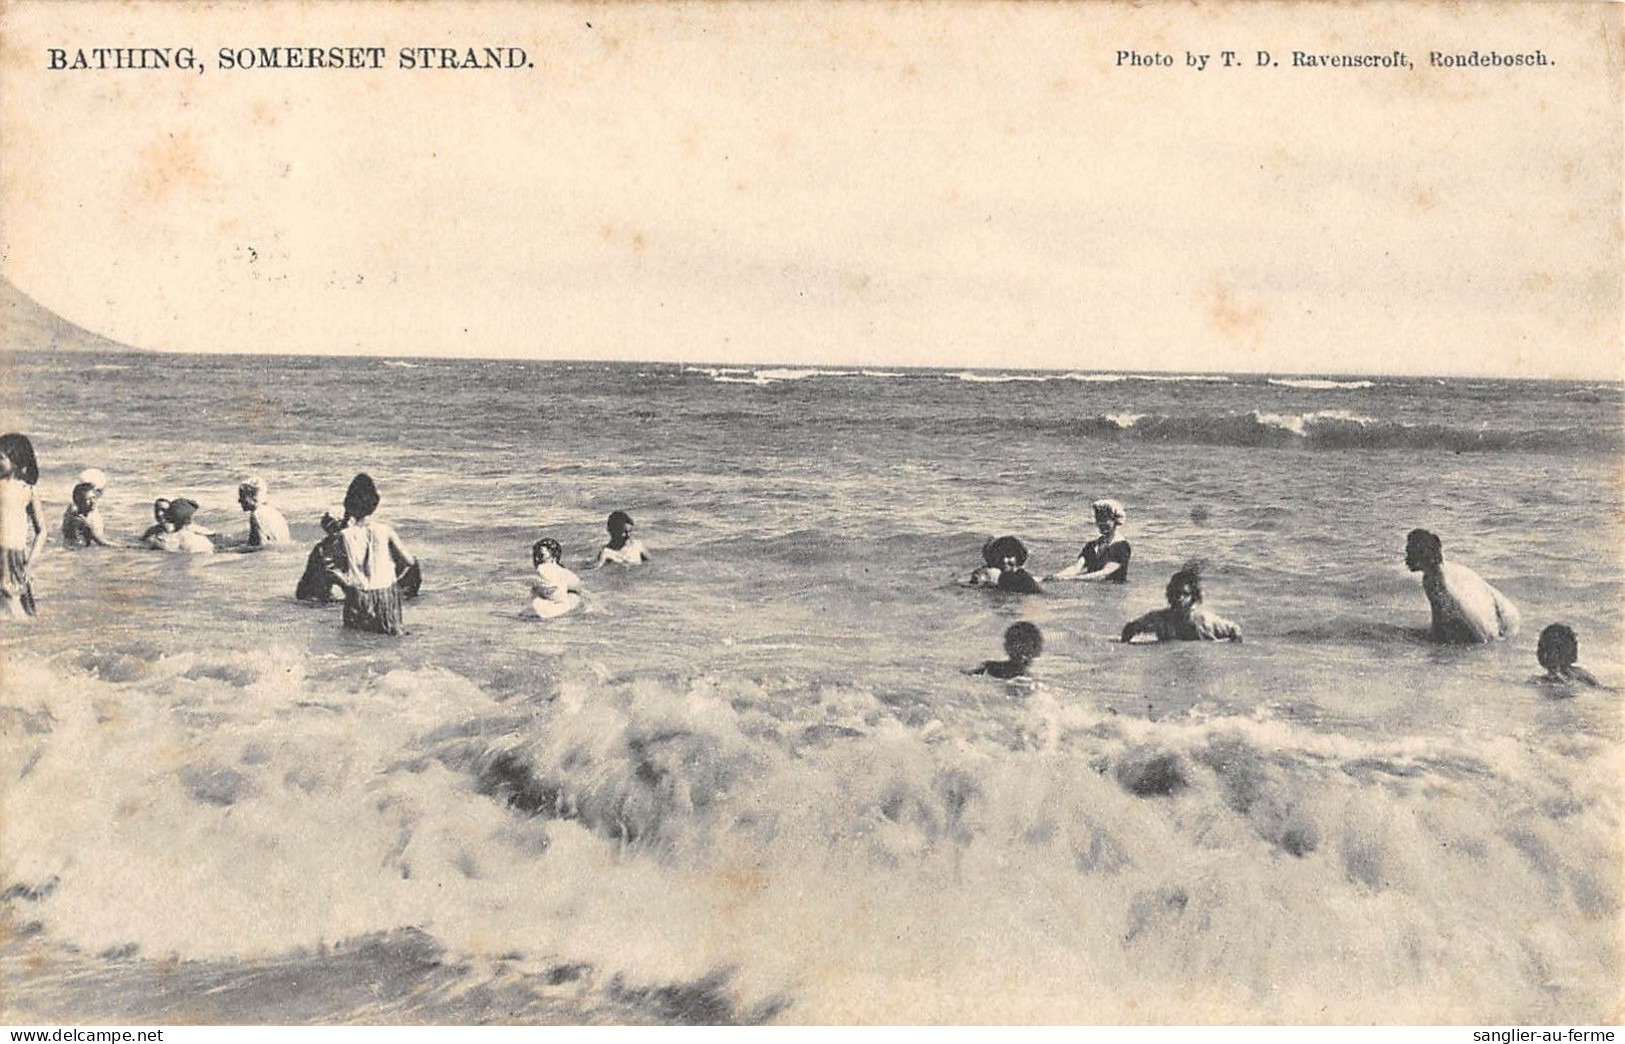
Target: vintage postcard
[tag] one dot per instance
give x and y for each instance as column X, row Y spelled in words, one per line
column 810, row 513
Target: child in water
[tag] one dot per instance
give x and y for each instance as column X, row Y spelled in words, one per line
column 1557, row 650
column 22, row 524
column 160, row 524
column 623, row 548
column 1022, row 644
column 555, row 590
column 81, row 522
column 1185, row 619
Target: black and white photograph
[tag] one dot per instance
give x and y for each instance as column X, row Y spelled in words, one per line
column 811, row 513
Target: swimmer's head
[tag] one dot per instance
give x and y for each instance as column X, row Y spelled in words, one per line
column 1023, row 641
column 160, row 510
column 546, row 550
column 332, row 519
column 95, row 476
column 361, row 499
column 19, row 451
column 1422, row 549
column 250, row 491
column 84, row 497
column 1185, row 588
column 620, row 527
column 1558, row 647
column 1005, row 553
column 180, row 512
column 1109, row 514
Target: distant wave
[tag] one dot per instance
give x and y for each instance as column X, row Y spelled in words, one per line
column 742, row 375
column 975, row 377
column 999, row 378
column 1309, row 382
column 1317, row 429
column 403, row 365
column 1340, row 429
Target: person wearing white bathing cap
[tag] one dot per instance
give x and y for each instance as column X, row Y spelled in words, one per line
column 96, row 477
column 265, row 523
column 1106, row 557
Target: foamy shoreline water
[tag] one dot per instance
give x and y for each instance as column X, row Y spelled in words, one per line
column 754, row 784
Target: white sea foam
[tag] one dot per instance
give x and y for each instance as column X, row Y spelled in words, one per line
column 1317, row 383
column 241, row 808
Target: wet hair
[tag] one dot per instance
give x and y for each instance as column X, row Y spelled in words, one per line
column 618, row 523
column 181, row 511
column 994, row 552
column 82, row 500
column 1429, row 548
column 20, row 452
column 361, row 499
column 1558, row 647
column 1023, row 641
column 551, row 545
column 1112, row 509
column 1189, row 575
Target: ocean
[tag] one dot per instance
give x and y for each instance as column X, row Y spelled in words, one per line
column 753, row 783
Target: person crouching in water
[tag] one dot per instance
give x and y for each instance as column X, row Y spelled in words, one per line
column 1005, row 568
column 1185, row 619
column 1023, row 642
column 265, row 523
column 623, row 548
column 316, row 585
column 161, row 524
column 81, row 522
column 183, row 537
column 556, row 590
column 1558, row 650
column 1464, row 608
column 370, row 558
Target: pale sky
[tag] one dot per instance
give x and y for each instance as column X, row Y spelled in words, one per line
column 945, row 185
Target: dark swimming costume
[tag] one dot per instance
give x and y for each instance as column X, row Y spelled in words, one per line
column 1001, row 669
column 1020, row 581
column 1096, row 558
column 315, row 586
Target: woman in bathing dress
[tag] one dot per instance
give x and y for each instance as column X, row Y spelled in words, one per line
column 1106, row 557
column 22, row 524
column 370, row 557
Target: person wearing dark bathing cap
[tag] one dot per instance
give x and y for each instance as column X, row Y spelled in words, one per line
column 555, row 589
column 369, row 562
column 184, row 537
column 1004, row 561
column 1186, row 618
column 623, row 548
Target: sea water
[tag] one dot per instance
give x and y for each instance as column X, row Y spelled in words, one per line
column 752, row 782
